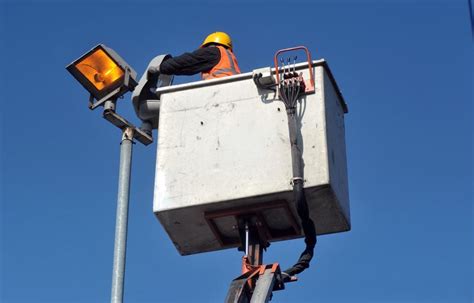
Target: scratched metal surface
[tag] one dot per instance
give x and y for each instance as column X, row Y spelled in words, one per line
column 224, row 144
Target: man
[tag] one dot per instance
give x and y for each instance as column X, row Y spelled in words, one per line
column 214, row 59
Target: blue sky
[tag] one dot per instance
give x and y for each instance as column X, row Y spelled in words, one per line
column 405, row 70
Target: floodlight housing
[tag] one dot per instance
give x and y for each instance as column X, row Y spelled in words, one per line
column 104, row 74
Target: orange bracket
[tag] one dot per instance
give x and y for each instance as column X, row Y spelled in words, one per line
column 254, row 272
column 309, row 85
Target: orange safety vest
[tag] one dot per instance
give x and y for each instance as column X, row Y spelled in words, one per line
column 227, row 66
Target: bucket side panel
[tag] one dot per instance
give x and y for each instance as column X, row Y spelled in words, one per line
column 337, row 161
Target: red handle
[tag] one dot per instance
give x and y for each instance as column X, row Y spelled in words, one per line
column 308, row 55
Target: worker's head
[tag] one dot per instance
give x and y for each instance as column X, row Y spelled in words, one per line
column 219, row 38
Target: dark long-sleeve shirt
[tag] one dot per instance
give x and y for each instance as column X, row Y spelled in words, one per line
column 201, row 60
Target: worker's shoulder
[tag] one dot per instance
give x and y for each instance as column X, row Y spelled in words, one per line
column 209, row 51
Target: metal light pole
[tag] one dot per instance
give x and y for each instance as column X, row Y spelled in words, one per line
column 106, row 76
column 121, row 224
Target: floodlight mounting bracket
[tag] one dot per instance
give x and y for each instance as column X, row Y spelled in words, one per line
column 142, row 136
column 109, row 103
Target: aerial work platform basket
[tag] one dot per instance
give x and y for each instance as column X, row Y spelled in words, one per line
column 223, row 152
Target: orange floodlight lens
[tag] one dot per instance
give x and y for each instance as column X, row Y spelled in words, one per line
column 99, row 69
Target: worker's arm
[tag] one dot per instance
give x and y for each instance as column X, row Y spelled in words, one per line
column 201, row 60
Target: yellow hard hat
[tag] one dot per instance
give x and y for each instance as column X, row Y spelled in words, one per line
column 219, row 38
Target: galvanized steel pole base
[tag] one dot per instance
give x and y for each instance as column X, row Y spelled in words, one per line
column 122, row 215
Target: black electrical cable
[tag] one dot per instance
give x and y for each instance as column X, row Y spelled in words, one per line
column 290, row 95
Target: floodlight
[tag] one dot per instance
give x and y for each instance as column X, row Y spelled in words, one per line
column 104, row 74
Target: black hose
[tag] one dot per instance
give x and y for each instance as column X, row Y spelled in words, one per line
column 290, row 98
column 308, row 229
